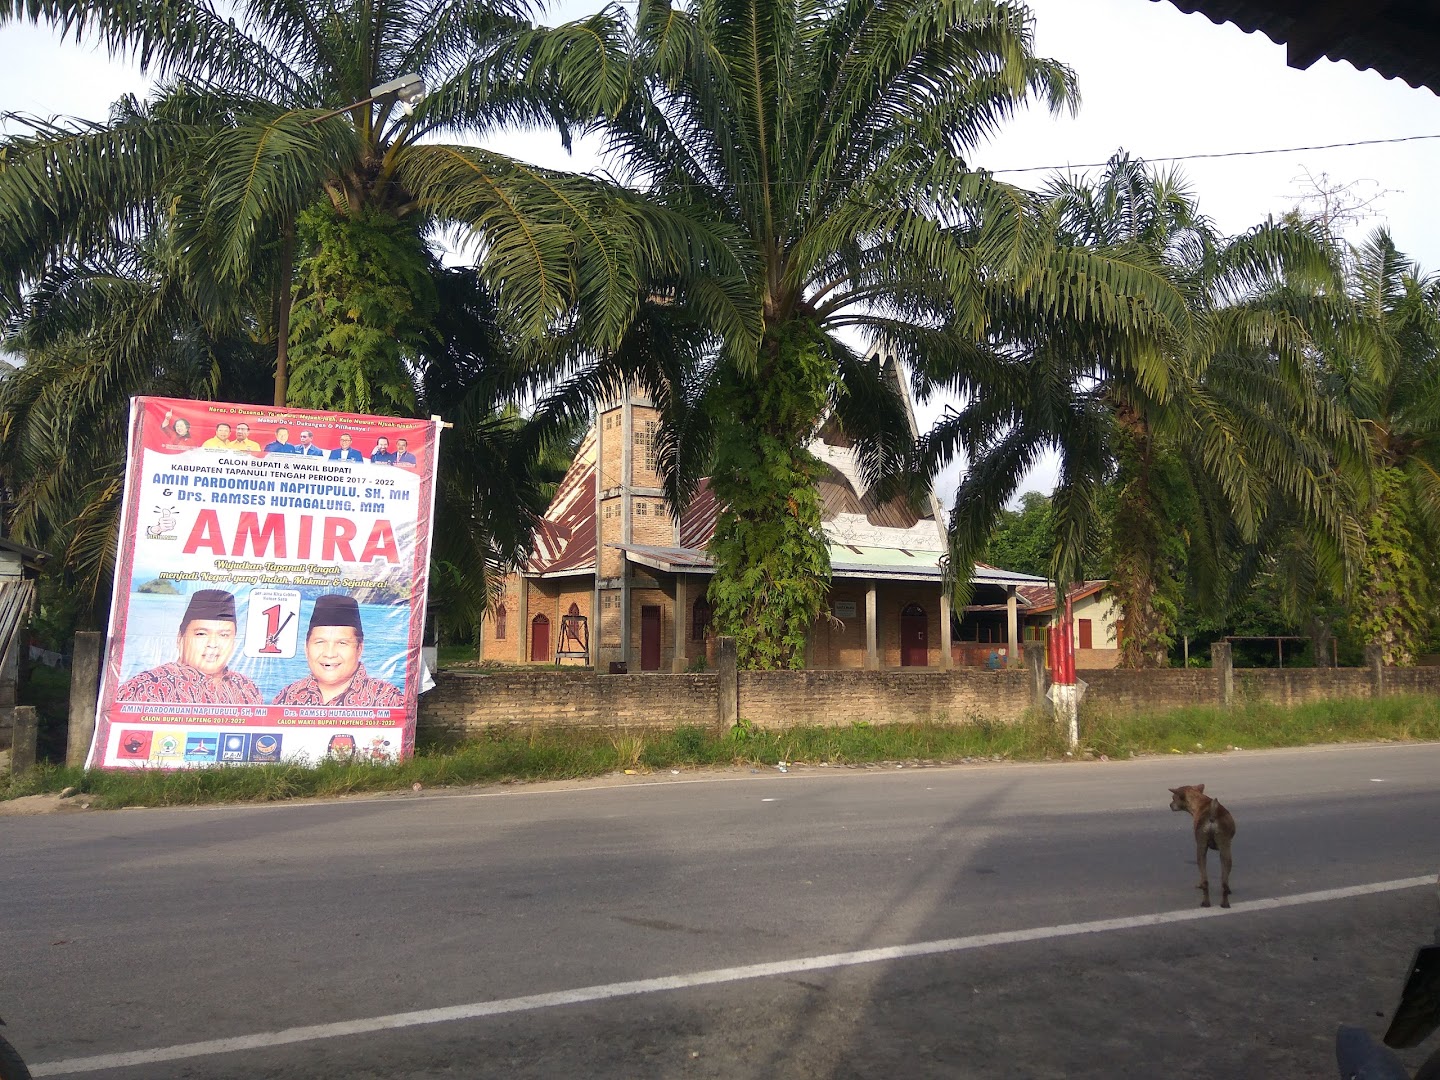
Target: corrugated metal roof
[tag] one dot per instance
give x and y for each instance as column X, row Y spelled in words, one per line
column 1400, row 39
column 697, row 523
column 893, row 564
column 565, row 540
column 1042, row 597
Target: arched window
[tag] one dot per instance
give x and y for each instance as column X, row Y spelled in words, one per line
column 700, row 619
column 574, row 609
column 500, row 623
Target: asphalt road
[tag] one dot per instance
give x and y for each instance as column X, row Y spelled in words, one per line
column 972, row 921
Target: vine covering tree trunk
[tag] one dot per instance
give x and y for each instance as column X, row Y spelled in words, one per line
column 772, row 565
column 1392, row 601
column 366, row 300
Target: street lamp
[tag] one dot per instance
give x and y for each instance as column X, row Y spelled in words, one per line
column 409, row 90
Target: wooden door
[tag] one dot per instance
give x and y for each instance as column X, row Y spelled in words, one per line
column 540, row 638
column 914, row 637
column 1086, row 634
column 650, row 638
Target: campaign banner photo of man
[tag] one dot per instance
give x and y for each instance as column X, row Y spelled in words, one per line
column 269, row 593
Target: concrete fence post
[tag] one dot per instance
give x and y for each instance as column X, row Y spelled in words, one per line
column 1035, row 665
column 728, row 672
column 1375, row 661
column 23, row 739
column 1222, row 659
column 84, row 689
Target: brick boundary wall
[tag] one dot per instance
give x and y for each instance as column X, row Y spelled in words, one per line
column 465, row 704
column 777, row 699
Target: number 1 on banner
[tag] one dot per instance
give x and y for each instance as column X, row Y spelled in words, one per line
column 272, row 625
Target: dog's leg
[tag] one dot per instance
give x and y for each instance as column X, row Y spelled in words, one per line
column 1202, row 847
column 1224, row 846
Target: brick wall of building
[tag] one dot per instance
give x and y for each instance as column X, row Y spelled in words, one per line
column 650, row 522
column 610, row 530
column 841, row 643
column 612, row 447
column 644, row 463
column 506, row 649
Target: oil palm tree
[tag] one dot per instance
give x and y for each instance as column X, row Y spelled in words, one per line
column 830, row 140
column 240, row 142
column 1195, row 436
column 87, row 339
column 1389, row 375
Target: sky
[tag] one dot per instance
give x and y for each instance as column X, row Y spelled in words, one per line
column 1153, row 81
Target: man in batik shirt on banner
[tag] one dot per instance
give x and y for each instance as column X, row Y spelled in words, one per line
column 333, row 647
column 200, row 675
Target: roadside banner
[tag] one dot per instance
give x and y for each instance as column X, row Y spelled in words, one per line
column 270, row 585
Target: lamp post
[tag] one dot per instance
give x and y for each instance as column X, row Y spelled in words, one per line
column 409, row 90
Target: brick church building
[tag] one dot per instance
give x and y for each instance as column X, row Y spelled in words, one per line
column 616, row 579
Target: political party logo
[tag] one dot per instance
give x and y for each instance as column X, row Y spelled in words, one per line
column 204, row 747
column 134, row 745
column 341, row 747
column 165, row 524
column 167, row 746
column 233, row 746
column 265, row 747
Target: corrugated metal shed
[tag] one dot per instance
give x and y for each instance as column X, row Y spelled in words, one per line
column 1400, row 39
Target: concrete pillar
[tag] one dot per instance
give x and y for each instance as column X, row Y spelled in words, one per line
column 728, row 672
column 1012, row 627
column 1035, row 665
column 524, row 614
column 84, row 690
column 682, row 617
column 627, row 508
column 947, row 660
column 22, row 746
column 1375, row 662
column 1223, row 662
column 872, row 650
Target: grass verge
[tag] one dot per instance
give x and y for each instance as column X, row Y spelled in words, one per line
column 503, row 755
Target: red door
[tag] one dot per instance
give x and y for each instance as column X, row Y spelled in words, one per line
column 1086, row 634
column 650, row 638
column 540, row 638
column 914, row 639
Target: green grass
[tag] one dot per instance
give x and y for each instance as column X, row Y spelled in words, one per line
column 504, row 755
column 1257, row 726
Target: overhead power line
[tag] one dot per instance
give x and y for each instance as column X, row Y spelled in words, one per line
column 1226, row 154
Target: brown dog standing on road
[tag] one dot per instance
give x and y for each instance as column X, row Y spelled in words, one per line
column 1214, row 828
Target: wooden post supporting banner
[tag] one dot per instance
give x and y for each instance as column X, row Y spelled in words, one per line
column 84, row 690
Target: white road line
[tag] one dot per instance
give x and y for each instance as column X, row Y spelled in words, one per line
column 607, row 991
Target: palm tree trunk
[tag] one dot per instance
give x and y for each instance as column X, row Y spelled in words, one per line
column 283, row 299
column 1141, row 570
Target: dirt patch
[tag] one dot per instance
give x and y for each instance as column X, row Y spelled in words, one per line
column 30, row 805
